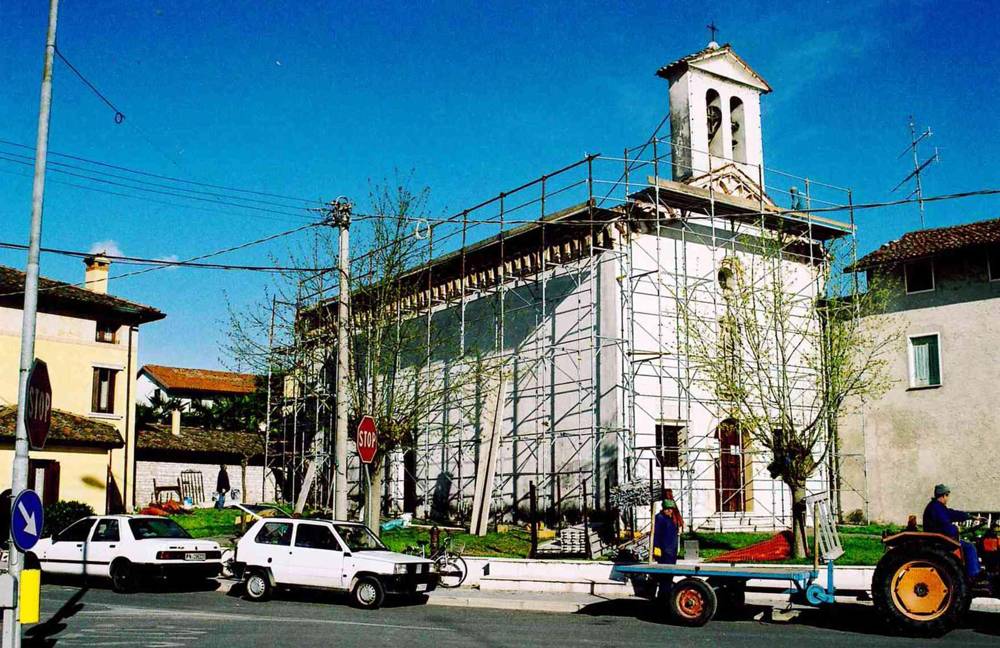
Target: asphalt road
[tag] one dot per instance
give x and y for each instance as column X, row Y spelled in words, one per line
column 77, row 616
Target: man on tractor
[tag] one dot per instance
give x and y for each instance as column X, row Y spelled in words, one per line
column 938, row 518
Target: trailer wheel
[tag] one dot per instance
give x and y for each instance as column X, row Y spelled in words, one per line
column 920, row 590
column 692, row 602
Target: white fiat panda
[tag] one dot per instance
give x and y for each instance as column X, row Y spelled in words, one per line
column 345, row 556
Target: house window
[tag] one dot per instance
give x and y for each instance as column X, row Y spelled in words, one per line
column 668, row 440
column 993, row 263
column 43, row 478
column 107, row 332
column 925, row 361
column 919, row 276
column 103, row 400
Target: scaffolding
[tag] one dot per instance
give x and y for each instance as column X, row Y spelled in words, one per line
column 570, row 283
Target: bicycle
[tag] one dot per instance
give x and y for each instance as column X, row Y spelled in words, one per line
column 451, row 567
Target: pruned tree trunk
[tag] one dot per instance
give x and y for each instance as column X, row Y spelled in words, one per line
column 799, row 520
column 243, row 479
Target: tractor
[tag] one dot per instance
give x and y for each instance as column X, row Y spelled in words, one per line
column 920, row 586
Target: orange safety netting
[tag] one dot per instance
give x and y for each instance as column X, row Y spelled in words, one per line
column 777, row 548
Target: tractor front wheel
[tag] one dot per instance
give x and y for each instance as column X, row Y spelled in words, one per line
column 920, row 590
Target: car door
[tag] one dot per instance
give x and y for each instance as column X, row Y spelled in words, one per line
column 102, row 547
column 273, row 549
column 66, row 553
column 317, row 556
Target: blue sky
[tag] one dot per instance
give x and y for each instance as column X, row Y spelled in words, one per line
column 317, row 99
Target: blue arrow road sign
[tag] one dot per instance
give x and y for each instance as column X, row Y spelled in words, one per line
column 26, row 519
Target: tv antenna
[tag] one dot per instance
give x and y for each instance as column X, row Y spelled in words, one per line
column 918, row 166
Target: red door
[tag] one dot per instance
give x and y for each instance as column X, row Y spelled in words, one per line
column 729, row 468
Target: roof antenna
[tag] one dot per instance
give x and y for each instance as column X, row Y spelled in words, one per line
column 918, row 167
column 713, row 30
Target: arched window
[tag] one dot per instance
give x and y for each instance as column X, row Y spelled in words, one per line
column 739, row 131
column 713, row 110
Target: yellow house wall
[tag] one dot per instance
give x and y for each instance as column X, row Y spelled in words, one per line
column 82, row 472
column 68, row 346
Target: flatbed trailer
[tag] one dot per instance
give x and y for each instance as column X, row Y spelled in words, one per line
column 704, row 588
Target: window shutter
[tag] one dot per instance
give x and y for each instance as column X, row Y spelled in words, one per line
column 933, row 361
column 95, row 401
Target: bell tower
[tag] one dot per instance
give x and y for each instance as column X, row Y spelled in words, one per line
column 714, row 113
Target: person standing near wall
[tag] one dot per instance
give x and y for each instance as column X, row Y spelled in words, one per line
column 221, row 487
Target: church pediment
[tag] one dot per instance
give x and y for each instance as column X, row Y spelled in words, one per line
column 731, row 180
column 719, row 61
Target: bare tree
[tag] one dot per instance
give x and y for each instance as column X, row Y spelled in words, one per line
column 787, row 353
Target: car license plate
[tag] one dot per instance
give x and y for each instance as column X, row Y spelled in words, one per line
column 421, row 587
column 194, row 556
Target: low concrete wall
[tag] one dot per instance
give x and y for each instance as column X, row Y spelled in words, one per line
column 166, row 473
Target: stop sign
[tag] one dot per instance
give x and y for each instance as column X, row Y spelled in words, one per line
column 38, row 413
column 367, row 439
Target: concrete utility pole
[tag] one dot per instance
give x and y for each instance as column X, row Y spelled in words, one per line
column 340, row 214
column 19, row 478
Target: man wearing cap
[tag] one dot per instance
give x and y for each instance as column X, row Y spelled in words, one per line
column 938, row 518
column 665, row 533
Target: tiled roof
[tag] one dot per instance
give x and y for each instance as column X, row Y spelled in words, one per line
column 67, row 429
column 157, row 438
column 929, row 242
column 200, row 380
column 682, row 64
column 58, row 296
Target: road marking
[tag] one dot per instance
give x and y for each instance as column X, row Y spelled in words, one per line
column 126, row 612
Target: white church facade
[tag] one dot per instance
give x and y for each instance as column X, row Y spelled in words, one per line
column 579, row 303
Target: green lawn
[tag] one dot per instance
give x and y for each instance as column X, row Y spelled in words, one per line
column 209, row 522
column 513, row 544
column 862, row 545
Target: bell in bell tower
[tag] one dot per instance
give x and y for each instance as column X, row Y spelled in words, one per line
column 714, row 113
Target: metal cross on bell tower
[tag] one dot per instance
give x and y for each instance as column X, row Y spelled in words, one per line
column 713, row 30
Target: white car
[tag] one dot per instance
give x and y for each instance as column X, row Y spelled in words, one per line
column 346, row 556
column 126, row 548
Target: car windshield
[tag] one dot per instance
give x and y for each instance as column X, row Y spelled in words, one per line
column 143, row 528
column 359, row 538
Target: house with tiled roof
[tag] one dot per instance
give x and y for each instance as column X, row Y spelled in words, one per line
column 187, row 384
column 939, row 422
column 90, row 340
column 180, row 459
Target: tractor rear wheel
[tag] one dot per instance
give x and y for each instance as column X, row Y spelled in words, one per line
column 920, row 590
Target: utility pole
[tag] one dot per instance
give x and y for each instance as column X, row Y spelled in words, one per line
column 19, row 477
column 340, row 215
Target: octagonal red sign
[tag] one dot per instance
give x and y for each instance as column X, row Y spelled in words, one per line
column 367, row 439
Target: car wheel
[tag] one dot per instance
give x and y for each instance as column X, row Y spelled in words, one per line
column 368, row 593
column 257, row 586
column 124, row 579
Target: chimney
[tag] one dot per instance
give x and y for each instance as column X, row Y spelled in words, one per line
column 97, row 273
column 175, row 422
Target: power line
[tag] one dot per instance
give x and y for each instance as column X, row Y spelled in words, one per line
column 29, row 159
column 200, row 257
column 156, row 191
column 119, row 116
column 78, row 158
column 168, row 263
column 148, row 200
